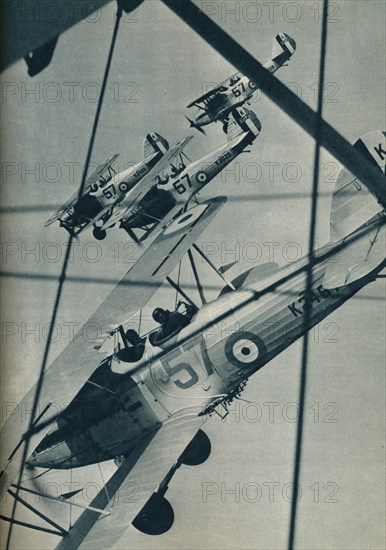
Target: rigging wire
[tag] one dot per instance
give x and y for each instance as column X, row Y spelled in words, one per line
column 62, row 276
column 178, row 283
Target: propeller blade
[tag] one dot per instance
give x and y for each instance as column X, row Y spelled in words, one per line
column 194, row 125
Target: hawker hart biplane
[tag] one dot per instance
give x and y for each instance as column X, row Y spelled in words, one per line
column 105, row 191
column 150, row 195
column 217, row 104
column 152, row 390
column 172, row 191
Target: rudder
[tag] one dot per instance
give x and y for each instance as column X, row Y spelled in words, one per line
column 354, row 209
column 283, row 48
column 352, row 204
column 242, row 121
column 154, row 143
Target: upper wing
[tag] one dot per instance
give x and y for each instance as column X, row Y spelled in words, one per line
column 144, row 469
column 90, row 180
column 134, row 196
column 72, row 368
column 205, row 96
column 98, row 171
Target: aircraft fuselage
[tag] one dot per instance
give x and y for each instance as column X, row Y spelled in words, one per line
column 227, row 341
column 234, row 95
column 98, row 203
column 171, row 194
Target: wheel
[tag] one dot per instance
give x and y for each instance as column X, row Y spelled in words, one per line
column 197, row 451
column 99, row 233
column 156, row 517
column 225, row 127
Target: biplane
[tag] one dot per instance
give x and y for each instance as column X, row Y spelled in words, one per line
column 149, row 392
column 105, row 191
column 217, row 104
column 153, row 205
column 153, row 193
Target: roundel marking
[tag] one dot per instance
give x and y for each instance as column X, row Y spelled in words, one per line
column 201, row 177
column 123, row 187
column 252, row 85
column 185, row 220
column 244, row 349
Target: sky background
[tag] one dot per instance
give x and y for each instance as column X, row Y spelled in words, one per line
column 159, row 66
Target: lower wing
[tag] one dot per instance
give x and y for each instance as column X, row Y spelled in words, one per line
column 144, row 469
column 74, row 365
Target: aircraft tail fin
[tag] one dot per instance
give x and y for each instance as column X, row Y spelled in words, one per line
column 243, row 121
column 354, row 207
column 154, row 143
column 352, row 204
column 283, row 48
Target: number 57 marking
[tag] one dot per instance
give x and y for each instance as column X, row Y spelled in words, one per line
column 236, row 91
column 180, row 187
column 184, row 367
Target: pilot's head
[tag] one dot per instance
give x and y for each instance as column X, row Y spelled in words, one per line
column 132, row 337
column 160, row 315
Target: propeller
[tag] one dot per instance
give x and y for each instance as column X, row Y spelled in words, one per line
column 194, row 125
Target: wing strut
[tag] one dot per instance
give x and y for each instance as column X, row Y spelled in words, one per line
column 179, row 289
column 61, row 532
column 31, row 526
column 62, row 500
column 211, row 264
column 196, row 277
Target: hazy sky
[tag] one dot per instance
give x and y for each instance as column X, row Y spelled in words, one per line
column 159, row 66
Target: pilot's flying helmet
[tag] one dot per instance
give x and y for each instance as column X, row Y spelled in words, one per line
column 160, row 315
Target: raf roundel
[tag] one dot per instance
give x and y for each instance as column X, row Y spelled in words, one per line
column 244, row 349
column 123, row 187
column 201, row 177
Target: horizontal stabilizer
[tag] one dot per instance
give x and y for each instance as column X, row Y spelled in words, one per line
column 357, row 259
